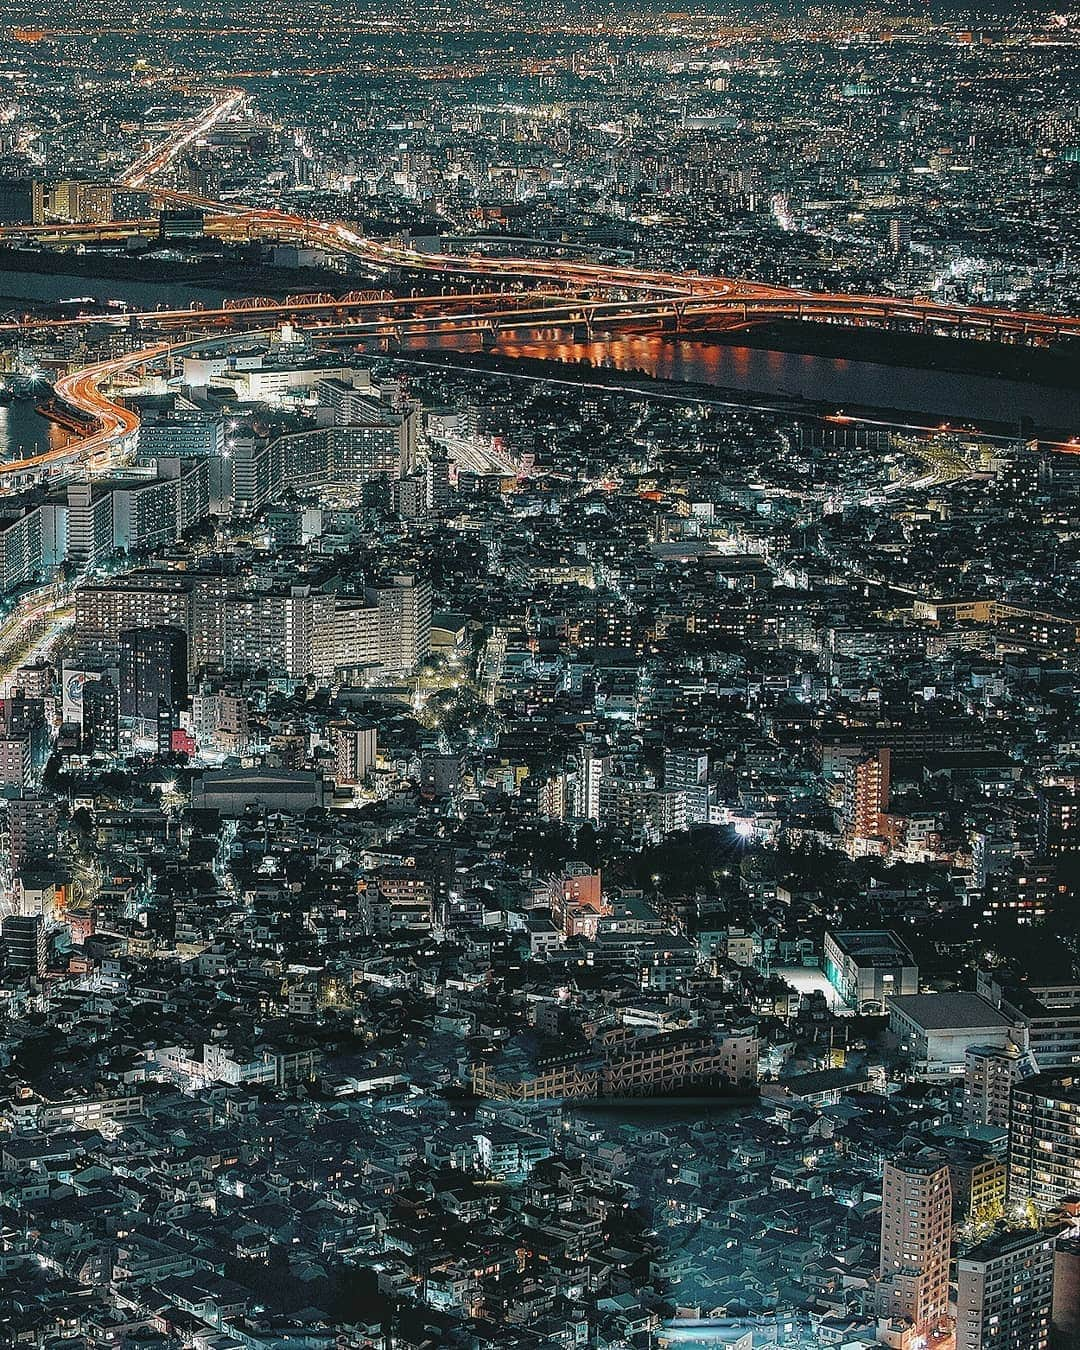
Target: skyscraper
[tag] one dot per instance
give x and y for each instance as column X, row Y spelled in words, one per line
column 916, row 1229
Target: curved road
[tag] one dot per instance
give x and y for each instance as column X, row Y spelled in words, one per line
column 631, row 299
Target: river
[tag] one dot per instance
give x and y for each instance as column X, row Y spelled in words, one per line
column 21, row 429
column 49, row 287
column 750, row 373
column 932, row 395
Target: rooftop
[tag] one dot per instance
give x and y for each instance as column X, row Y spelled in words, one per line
column 938, row 1012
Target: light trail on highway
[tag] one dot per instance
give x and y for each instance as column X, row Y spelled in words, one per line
column 593, row 297
column 156, row 158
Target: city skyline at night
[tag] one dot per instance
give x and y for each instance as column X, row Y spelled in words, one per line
column 539, row 676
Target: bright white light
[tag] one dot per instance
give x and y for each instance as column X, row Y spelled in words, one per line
column 744, row 829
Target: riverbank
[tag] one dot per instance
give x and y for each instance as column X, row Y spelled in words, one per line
column 1057, row 366
column 141, row 280
column 645, row 383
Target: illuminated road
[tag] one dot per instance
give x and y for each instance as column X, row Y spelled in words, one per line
column 31, row 632
column 567, row 296
column 693, row 298
column 726, row 305
column 115, row 425
column 156, row 158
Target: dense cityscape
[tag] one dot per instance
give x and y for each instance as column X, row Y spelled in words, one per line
column 539, row 677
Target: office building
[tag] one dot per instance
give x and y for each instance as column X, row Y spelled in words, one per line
column 72, row 200
column 183, row 223
column 934, row 1031
column 191, row 434
column 868, row 966
column 183, row 433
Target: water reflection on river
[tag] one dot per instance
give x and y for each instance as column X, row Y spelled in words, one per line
column 21, row 429
column 748, row 371
column 834, row 381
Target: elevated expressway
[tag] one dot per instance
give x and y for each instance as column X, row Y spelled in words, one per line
column 521, row 296
column 716, row 304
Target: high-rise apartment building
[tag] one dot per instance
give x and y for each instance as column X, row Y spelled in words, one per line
column 440, row 478
column 354, row 751
column 1065, row 1309
column 141, row 600
column 687, row 772
column 25, row 944
column 153, row 681
column 72, row 199
column 1044, row 1139
column 916, row 1230
column 32, row 823
column 101, row 715
column 591, row 770
column 21, row 548
column 404, row 621
column 1059, row 824
column 346, row 635
column 989, row 1074
column 1005, row 1290
column 15, row 764
column 89, row 523
column 866, row 797
column 899, row 235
